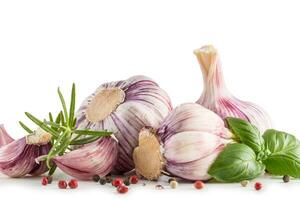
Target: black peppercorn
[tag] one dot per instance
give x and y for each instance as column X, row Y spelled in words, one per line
column 286, row 178
column 108, row 179
column 127, row 181
column 102, row 181
column 96, row 178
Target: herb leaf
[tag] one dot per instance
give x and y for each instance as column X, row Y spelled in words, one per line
column 72, row 106
column 235, row 163
column 28, row 130
column 63, row 103
column 246, row 133
column 93, row 133
column 284, row 158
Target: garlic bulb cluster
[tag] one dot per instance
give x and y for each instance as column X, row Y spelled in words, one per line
column 191, row 137
column 216, row 96
column 83, row 163
column 17, row 157
column 125, row 107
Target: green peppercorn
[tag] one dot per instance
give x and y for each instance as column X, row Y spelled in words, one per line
column 127, row 182
column 286, row 178
column 244, row 183
column 102, row 181
column 96, row 178
column 171, row 179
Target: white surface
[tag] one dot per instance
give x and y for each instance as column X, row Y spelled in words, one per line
column 45, row 44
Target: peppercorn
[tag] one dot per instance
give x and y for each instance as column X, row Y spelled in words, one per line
column 62, row 184
column 134, row 179
column 258, row 186
column 44, row 181
column 171, row 179
column 244, row 183
column 286, row 178
column 102, row 181
column 117, row 182
column 96, row 178
column 199, row 185
column 108, row 179
column 173, row 184
column 122, row 189
column 73, row 183
column 127, row 182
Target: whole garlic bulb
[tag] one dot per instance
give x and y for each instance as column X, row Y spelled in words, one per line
column 216, row 96
column 191, row 138
column 125, row 107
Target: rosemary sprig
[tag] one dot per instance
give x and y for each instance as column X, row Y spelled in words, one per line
column 63, row 130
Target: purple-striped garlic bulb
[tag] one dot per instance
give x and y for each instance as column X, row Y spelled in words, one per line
column 97, row 158
column 125, row 107
column 190, row 138
column 17, row 157
column 217, row 97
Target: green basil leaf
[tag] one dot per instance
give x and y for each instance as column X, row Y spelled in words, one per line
column 235, row 163
column 246, row 133
column 284, row 158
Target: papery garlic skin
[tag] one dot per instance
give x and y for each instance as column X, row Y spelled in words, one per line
column 192, row 137
column 97, row 158
column 4, row 136
column 17, row 158
column 216, row 96
column 125, row 107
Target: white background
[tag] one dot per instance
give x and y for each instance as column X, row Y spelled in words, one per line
column 45, row 44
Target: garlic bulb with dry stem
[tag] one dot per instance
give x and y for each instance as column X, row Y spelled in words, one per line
column 191, row 138
column 17, row 157
column 125, row 107
column 216, row 96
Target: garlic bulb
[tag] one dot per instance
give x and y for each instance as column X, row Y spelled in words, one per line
column 191, row 137
column 125, row 107
column 97, row 158
column 17, row 158
column 216, row 96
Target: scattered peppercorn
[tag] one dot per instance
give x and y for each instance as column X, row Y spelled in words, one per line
column 159, row 187
column 102, row 181
column 244, row 183
column 173, row 184
column 73, row 183
column 62, row 184
column 44, row 181
column 108, row 179
column 96, row 178
column 127, row 182
column 49, row 179
column 117, row 182
column 199, row 185
column 134, row 179
column 258, row 186
column 286, row 178
column 171, row 179
column 122, row 189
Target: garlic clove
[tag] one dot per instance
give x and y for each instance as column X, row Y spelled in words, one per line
column 97, row 158
column 217, row 97
column 4, row 136
column 191, row 145
column 17, row 158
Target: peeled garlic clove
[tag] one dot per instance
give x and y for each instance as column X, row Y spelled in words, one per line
column 97, row 158
column 4, row 136
column 125, row 107
column 216, row 96
column 17, row 158
column 191, row 137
